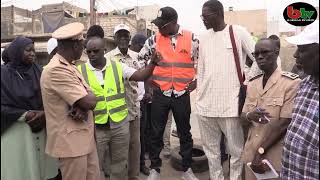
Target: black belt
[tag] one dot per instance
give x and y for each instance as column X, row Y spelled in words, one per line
column 107, row 125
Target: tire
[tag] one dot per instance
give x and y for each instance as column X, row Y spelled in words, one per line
column 199, row 159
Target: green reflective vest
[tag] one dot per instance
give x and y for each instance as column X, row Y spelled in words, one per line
column 111, row 98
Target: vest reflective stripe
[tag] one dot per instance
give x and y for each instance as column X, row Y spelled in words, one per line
column 176, row 69
column 167, row 79
column 118, row 96
column 102, row 111
column 175, row 64
column 84, row 73
column 116, row 77
column 118, row 109
column 111, row 98
column 100, row 98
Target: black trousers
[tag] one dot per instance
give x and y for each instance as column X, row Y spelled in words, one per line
column 145, row 118
column 181, row 110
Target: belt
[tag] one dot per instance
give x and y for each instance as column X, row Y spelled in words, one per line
column 106, row 125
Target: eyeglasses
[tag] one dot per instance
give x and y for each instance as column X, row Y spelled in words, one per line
column 263, row 53
column 206, row 16
column 95, row 51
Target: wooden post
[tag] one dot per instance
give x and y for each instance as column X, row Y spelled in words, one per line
column 92, row 13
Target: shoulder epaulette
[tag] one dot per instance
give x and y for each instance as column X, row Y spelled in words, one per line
column 289, row 75
column 255, row 77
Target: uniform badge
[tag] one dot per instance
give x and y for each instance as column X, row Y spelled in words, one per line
column 290, row 75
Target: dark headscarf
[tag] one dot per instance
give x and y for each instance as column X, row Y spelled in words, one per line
column 20, row 84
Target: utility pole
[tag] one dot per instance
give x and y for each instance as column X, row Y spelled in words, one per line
column 12, row 20
column 33, row 22
column 92, row 13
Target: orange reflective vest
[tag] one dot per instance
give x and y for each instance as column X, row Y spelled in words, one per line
column 176, row 69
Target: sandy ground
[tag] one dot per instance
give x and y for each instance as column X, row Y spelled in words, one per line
column 167, row 172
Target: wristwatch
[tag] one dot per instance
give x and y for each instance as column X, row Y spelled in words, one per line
column 261, row 150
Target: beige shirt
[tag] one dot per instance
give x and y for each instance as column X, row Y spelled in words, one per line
column 217, row 80
column 61, row 86
column 276, row 98
column 131, row 87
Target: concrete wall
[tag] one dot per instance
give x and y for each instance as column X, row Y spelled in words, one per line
column 254, row 20
column 109, row 22
column 71, row 9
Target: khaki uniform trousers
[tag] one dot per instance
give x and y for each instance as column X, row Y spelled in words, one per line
column 80, row 168
column 116, row 142
column 210, row 130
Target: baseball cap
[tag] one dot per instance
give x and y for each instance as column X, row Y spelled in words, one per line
column 51, row 45
column 138, row 39
column 72, row 31
column 309, row 35
column 121, row 27
column 165, row 15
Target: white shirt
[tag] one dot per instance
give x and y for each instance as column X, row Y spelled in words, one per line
column 141, row 90
column 126, row 71
column 218, row 84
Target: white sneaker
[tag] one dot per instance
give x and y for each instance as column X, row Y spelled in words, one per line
column 166, row 152
column 188, row 175
column 154, row 175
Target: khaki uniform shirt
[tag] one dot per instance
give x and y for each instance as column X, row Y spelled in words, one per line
column 277, row 99
column 131, row 87
column 62, row 85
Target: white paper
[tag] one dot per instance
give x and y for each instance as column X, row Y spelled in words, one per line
column 267, row 175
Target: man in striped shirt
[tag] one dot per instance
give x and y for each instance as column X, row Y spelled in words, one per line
column 300, row 158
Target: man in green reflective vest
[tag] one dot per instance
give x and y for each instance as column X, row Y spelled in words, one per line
column 106, row 79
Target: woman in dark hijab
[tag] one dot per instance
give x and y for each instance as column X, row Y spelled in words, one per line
column 22, row 116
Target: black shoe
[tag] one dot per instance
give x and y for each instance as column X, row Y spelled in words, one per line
column 145, row 170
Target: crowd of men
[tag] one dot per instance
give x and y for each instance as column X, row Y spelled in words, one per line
column 101, row 111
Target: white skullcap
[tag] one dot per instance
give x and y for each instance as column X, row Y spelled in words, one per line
column 52, row 44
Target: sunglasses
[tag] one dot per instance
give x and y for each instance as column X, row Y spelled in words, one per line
column 206, row 16
column 95, row 51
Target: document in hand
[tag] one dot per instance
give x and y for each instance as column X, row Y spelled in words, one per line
column 267, row 175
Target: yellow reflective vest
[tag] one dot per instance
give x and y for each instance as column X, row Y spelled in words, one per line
column 111, row 98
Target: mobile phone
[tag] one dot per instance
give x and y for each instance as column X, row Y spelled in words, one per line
column 267, row 175
column 265, row 117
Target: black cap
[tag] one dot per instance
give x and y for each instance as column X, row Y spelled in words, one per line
column 165, row 15
column 139, row 39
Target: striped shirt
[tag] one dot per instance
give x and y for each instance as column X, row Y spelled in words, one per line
column 218, row 84
column 300, row 159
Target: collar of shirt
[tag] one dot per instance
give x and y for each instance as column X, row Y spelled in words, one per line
column 95, row 69
column 312, row 82
column 64, row 61
column 275, row 76
column 117, row 52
